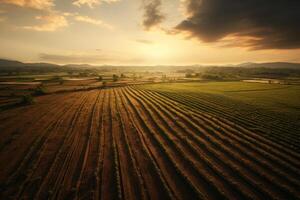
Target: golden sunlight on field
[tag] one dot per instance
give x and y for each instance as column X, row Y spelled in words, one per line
column 149, row 99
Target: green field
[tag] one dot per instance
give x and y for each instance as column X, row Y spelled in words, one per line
column 269, row 109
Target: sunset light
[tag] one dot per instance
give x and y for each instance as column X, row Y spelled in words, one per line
column 149, row 99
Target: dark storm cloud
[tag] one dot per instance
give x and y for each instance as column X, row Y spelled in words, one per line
column 263, row 24
column 152, row 13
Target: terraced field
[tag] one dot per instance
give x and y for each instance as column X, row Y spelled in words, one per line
column 136, row 143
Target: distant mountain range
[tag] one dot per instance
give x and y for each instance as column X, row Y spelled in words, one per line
column 272, row 65
column 13, row 63
column 5, row 64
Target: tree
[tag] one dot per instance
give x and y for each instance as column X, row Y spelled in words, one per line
column 134, row 77
column 188, row 75
column 27, row 99
column 58, row 79
column 40, row 91
column 115, row 77
column 70, row 73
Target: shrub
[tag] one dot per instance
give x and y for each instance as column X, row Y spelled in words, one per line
column 188, row 75
column 27, row 99
column 83, row 74
column 212, row 77
column 58, row 79
column 115, row 77
column 40, row 91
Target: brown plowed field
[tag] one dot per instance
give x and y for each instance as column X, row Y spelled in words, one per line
column 129, row 143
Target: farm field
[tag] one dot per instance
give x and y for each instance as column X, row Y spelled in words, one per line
column 272, row 110
column 13, row 89
column 156, row 141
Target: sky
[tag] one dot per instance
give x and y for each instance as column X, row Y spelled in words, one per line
column 150, row 32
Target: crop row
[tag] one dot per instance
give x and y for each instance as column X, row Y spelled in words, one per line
column 134, row 143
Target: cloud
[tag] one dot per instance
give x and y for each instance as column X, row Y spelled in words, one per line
column 2, row 19
column 87, row 58
column 92, row 3
column 51, row 23
column 73, row 58
column 49, row 19
column 152, row 14
column 90, row 20
column 35, row 4
column 143, row 41
column 257, row 24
